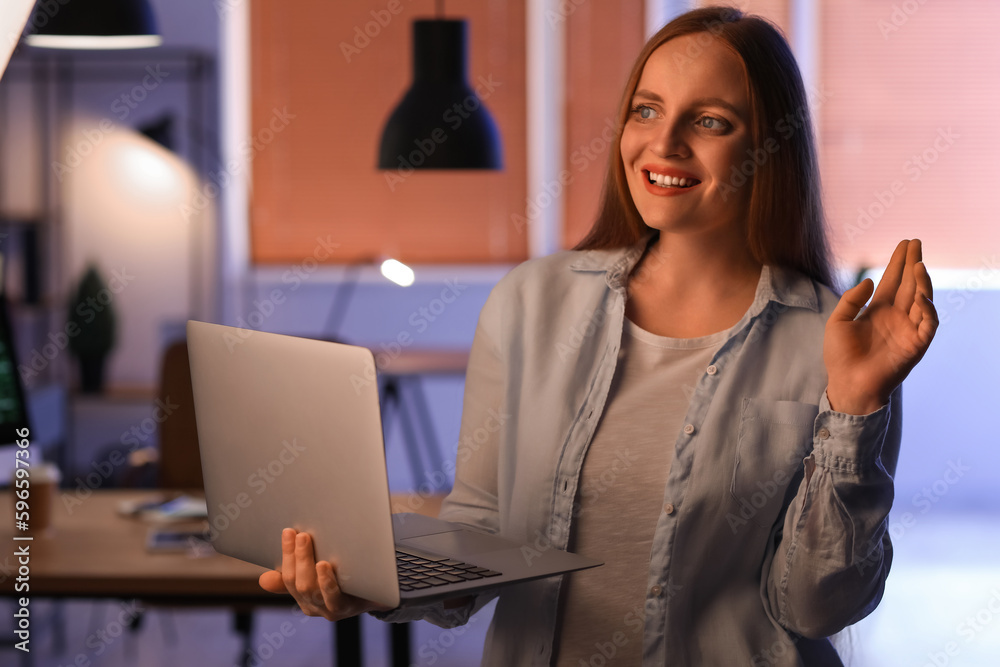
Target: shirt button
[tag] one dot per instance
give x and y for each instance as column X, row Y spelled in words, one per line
column 655, row 591
column 668, row 508
column 823, row 434
column 712, row 370
column 689, row 428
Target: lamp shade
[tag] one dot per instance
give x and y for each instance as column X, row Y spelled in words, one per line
column 440, row 123
column 94, row 24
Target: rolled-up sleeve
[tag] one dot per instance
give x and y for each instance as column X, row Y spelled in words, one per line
column 833, row 550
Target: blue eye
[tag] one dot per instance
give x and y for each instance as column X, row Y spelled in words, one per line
column 643, row 112
column 710, row 123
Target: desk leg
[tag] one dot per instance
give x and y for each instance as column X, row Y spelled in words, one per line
column 243, row 625
column 400, row 644
column 431, row 442
column 391, row 395
column 347, row 642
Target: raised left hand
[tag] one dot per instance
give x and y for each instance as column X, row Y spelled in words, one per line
column 868, row 356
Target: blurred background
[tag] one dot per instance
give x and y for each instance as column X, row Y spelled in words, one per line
column 231, row 174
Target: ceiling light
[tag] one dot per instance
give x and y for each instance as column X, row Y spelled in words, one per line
column 441, row 123
column 94, row 24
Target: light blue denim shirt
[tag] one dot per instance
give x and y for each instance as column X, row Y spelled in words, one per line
column 773, row 533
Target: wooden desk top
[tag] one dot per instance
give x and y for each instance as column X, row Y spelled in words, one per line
column 421, row 362
column 93, row 551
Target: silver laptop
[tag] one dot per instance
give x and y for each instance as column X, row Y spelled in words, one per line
column 291, row 436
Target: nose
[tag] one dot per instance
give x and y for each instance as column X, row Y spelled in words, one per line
column 670, row 140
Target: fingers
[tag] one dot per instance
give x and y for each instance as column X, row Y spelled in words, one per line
column 929, row 320
column 923, row 280
column 271, row 582
column 313, row 585
column 312, row 598
column 922, row 313
column 296, row 562
column 288, row 560
column 889, row 285
column 293, row 575
column 852, row 301
column 328, row 586
column 908, row 284
column 305, row 572
column 923, row 290
column 916, row 313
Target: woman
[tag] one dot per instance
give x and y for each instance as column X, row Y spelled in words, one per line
column 683, row 395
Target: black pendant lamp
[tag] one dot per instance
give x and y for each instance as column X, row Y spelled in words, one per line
column 94, row 24
column 440, row 123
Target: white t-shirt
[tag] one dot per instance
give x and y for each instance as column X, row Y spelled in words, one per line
column 621, row 491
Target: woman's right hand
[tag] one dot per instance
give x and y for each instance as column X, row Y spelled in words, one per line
column 313, row 585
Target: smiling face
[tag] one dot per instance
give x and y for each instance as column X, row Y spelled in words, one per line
column 688, row 127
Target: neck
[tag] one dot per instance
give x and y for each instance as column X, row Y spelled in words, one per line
column 699, row 267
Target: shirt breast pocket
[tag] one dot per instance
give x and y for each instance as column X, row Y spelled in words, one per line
column 774, row 437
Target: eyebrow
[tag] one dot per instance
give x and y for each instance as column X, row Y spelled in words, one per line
column 702, row 102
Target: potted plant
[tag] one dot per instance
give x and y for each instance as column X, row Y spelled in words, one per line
column 91, row 326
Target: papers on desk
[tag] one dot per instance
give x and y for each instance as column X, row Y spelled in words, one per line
column 158, row 510
column 161, row 510
column 193, row 542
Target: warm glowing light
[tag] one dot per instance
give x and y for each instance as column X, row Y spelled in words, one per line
column 397, row 272
column 115, row 178
column 13, row 15
column 145, row 168
column 102, row 42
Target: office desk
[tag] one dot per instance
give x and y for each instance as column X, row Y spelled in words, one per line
column 422, row 362
column 93, row 552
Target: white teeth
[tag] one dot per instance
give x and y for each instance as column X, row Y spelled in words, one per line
column 668, row 181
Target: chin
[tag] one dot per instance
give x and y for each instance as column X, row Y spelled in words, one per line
column 662, row 223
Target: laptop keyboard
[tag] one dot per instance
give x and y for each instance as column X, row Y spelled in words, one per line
column 417, row 572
